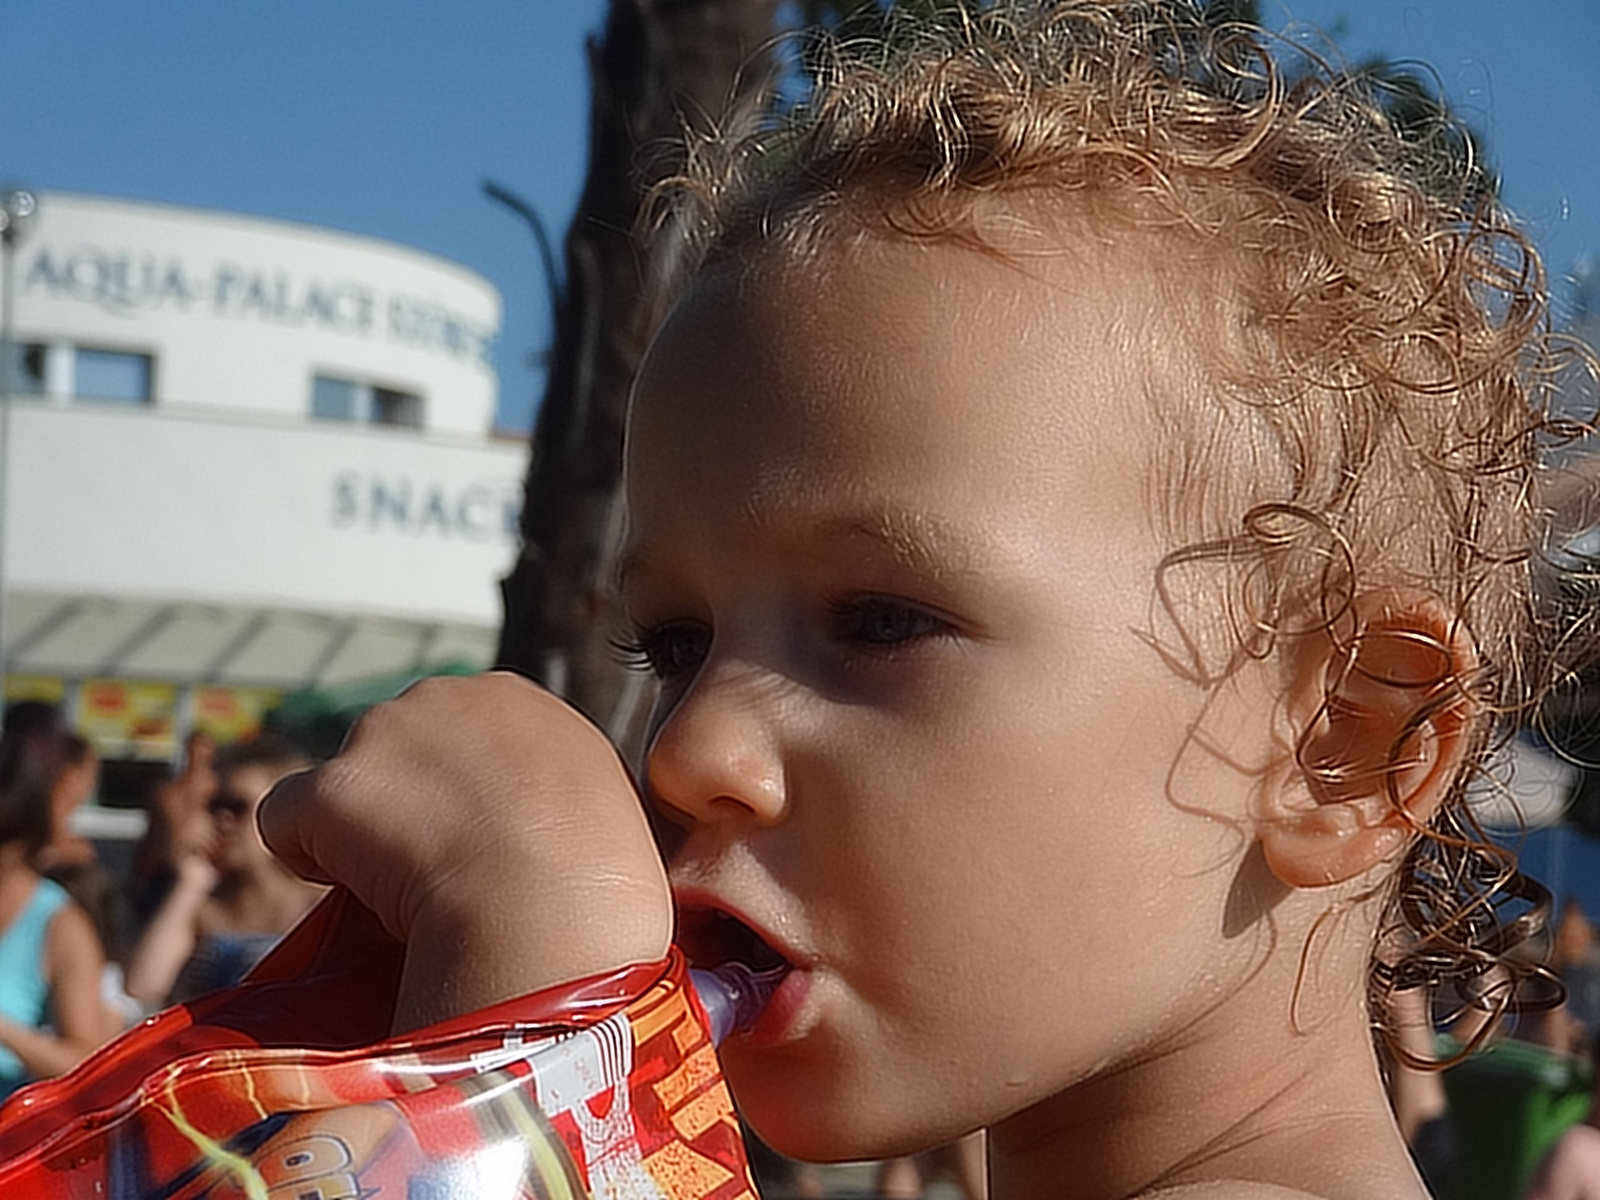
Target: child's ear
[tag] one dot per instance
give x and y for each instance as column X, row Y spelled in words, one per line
column 1386, row 720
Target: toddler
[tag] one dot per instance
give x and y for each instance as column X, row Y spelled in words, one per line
column 1082, row 525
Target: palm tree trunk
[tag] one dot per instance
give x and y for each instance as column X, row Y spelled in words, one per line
column 659, row 65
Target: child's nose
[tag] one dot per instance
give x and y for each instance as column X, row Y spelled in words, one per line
column 715, row 758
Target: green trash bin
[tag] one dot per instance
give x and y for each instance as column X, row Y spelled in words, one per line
column 1508, row 1105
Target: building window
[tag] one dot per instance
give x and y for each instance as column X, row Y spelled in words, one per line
column 334, row 399
column 346, row 400
column 26, row 363
column 396, row 408
column 112, row 375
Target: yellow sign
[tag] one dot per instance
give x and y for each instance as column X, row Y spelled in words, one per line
column 229, row 714
column 129, row 719
column 138, row 718
column 35, row 687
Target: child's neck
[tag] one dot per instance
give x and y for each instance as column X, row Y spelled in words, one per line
column 1240, row 1100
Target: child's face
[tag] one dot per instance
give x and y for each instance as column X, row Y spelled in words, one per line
column 890, row 550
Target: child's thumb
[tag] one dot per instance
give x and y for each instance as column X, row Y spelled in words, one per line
column 284, row 817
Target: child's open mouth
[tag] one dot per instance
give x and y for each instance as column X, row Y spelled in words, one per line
column 736, row 970
column 712, row 938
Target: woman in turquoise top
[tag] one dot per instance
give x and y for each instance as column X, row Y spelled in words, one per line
column 50, row 957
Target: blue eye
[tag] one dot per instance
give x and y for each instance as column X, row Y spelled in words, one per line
column 666, row 651
column 883, row 623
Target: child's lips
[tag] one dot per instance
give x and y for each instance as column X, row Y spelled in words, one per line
column 787, row 1014
column 711, row 931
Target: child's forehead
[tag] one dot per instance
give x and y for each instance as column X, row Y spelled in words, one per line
column 889, row 362
column 852, row 314
column 1021, row 323
column 1008, row 269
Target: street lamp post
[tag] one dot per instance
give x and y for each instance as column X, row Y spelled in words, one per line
column 503, row 195
column 16, row 206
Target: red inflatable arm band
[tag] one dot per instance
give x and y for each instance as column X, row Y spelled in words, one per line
column 288, row 1087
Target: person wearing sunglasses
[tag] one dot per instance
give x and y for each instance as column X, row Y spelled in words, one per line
column 229, row 905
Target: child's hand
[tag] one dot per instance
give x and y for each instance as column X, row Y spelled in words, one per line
column 493, row 830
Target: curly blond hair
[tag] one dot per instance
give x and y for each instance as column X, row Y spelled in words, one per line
column 1375, row 326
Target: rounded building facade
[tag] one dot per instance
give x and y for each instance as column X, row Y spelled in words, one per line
column 240, row 458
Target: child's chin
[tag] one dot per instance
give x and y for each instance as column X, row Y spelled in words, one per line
column 826, row 1123
column 819, row 1145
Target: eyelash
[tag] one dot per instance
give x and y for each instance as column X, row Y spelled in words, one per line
column 861, row 621
column 651, row 648
column 877, row 625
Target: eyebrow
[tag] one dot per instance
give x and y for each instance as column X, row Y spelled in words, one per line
column 913, row 539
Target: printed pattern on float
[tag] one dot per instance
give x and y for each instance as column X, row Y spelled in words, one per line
column 557, row 1097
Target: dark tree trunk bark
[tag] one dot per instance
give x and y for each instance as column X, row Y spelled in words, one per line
column 660, row 64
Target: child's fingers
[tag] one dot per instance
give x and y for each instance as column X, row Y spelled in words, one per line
column 464, row 800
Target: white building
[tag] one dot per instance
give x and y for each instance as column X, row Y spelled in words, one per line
column 240, row 457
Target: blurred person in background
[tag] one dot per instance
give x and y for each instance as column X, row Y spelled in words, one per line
column 1571, row 1168
column 51, row 959
column 1575, row 956
column 1511, row 1100
column 777, row 1175
column 75, row 784
column 179, row 828
column 37, row 721
column 229, row 902
column 961, row 1161
column 71, row 860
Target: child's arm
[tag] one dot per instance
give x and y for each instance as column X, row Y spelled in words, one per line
column 493, row 830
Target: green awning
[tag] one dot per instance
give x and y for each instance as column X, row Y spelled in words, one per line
column 317, row 719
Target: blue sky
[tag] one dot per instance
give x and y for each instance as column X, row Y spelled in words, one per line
column 384, row 118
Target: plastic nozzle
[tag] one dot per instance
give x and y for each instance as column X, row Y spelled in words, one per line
column 733, row 995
